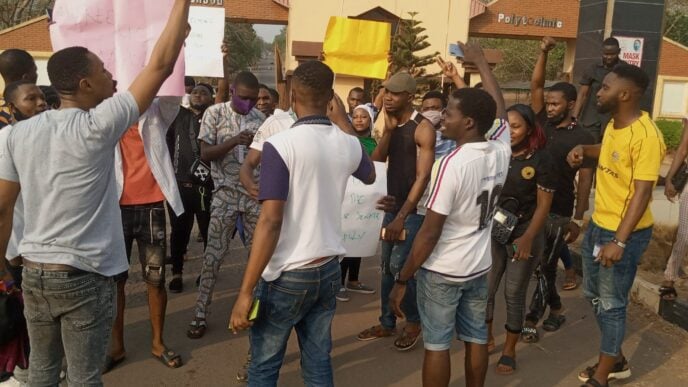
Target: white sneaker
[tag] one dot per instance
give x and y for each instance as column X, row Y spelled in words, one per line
column 11, row 382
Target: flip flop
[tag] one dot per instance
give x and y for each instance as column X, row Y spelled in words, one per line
column 668, row 293
column 376, row 332
column 169, row 358
column 506, row 361
column 407, row 340
column 111, row 363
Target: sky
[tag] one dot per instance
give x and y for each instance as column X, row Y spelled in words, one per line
column 267, row 31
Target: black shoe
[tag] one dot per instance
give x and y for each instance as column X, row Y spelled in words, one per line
column 176, row 285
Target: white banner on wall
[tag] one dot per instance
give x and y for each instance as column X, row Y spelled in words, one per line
column 202, row 50
column 361, row 222
column 631, row 49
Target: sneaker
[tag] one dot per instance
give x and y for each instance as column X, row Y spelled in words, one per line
column 11, row 382
column 360, row 288
column 342, row 295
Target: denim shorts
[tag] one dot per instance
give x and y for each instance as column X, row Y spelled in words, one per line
column 446, row 306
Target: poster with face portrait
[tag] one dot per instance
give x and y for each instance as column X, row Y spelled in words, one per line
column 631, row 49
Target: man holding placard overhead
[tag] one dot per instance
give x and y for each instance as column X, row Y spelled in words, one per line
column 73, row 241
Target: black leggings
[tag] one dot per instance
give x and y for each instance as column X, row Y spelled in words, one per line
column 196, row 200
column 352, row 266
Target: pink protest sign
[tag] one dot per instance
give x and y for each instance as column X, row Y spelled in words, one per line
column 121, row 33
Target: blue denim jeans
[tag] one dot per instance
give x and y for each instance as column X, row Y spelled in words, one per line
column 303, row 300
column 393, row 259
column 447, row 306
column 68, row 314
column 607, row 288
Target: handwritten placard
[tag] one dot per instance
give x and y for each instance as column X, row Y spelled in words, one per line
column 121, row 33
column 361, row 222
column 202, row 50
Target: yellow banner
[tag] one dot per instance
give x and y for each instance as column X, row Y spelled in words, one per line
column 357, row 47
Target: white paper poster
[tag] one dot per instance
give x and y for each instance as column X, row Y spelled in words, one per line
column 361, row 222
column 202, row 50
column 631, row 49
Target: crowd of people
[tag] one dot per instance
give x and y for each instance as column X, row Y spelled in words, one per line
column 479, row 195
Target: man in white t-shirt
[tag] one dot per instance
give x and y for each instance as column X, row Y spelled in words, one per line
column 452, row 248
column 298, row 236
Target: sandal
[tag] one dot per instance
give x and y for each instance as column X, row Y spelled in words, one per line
column 407, row 340
column 507, row 361
column 620, row 371
column 570, row 283
column 169, row 358
column 668, row 293
column 376, row 332
column 553, row 322
column 529, row 335
column 592, row 382
column 197, row 329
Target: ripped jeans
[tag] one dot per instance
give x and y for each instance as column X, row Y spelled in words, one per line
column 607, row 288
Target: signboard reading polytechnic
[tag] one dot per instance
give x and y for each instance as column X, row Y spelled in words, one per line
column 519, row 20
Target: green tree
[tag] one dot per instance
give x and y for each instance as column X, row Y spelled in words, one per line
column 407, row 42
column 13, row 12
column 519, row 56
column 245, row 47
column 281, row 40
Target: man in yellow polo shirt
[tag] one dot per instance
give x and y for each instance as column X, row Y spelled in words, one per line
column 628, row 166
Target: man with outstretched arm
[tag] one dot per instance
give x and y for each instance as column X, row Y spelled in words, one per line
column 73, row 242
column 452, row 251
column 618, row 234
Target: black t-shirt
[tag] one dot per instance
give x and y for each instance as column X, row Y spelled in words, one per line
column 560, row 141
column 593, row 77
column 526, row 175
column 184, row 129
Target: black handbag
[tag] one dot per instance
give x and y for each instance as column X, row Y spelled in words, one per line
column 11, row 316
column 504, row 222
column 681, row 177
column 200, row 171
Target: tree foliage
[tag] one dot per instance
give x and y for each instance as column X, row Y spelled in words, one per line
column 281, row 40
column 13, row 12
column 245, row 46
column 407, row 42
column 519, row 56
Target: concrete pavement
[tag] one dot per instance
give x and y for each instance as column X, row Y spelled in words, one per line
column 657, row 350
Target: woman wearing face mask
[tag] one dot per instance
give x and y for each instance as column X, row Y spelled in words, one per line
column 362, row 121
column 527, row 193
column 24, row 99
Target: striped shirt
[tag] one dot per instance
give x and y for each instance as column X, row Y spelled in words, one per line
column 465, row 185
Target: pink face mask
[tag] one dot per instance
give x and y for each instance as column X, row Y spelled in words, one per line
column 241, row 105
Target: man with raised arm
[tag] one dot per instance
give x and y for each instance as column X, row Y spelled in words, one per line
column 452, row 251
column 73, row 242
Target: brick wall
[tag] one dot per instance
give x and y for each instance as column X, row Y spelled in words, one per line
column 30, row 36
column 256, row 11
column 564, row 11
column 672, row 59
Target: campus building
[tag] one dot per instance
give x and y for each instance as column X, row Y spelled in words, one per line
column 580, row 24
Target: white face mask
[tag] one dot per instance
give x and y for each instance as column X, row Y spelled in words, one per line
column 434, row 117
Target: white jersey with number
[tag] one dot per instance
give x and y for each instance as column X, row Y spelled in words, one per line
column 465, row 186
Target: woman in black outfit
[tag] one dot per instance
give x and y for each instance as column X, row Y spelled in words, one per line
column 527, row 193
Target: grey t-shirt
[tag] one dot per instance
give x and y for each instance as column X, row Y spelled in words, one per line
column 64, row 162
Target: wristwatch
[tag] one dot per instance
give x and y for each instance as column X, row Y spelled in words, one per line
column 577, row 222
column 398, row 279
column 619, row 243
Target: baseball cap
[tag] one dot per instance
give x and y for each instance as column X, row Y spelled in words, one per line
column 399, row 82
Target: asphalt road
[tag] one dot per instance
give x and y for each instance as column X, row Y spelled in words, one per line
column 656, row 349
